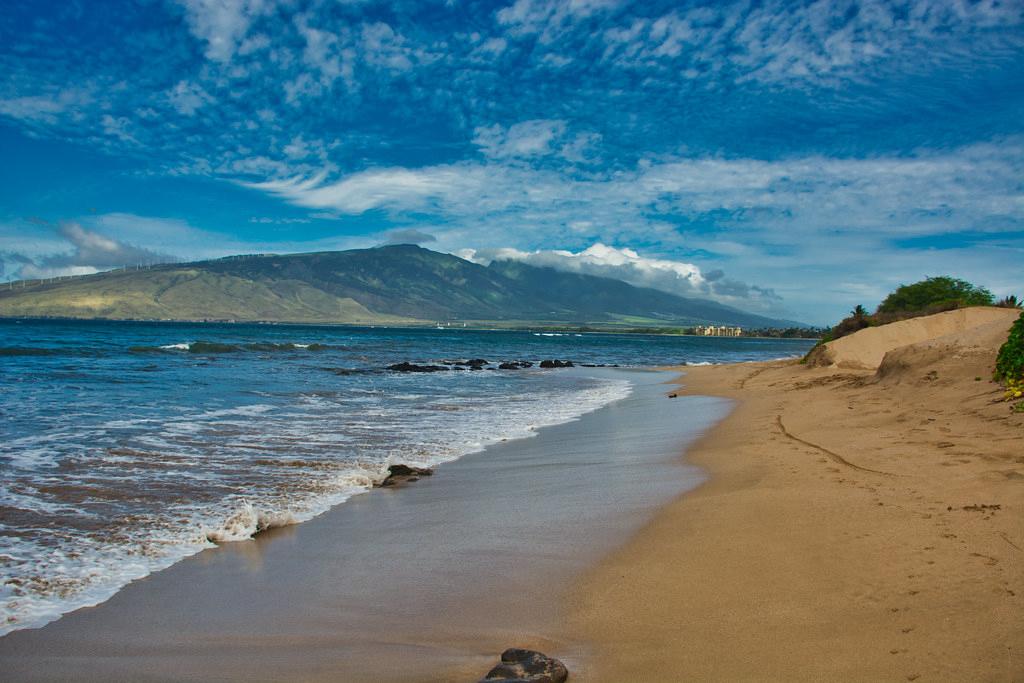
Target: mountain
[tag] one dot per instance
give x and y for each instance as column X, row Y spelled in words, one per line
column 400, row 284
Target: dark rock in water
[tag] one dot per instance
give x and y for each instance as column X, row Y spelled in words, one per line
column 527, row 666
column 404, row 474
column 352, row 371
column 468, row 363
column 556, row 364
column 411, row 367
column 515, row 365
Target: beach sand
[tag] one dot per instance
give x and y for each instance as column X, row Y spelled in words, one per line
column 857, row 526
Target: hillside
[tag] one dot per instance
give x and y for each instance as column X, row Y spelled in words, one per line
column 401, row 284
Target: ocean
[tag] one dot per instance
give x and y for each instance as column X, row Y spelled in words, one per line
column 127, row 446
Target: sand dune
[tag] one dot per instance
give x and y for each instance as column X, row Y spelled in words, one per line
column 859, row 525
column 865, row 349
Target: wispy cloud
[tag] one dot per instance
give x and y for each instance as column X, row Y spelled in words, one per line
column 931, row 191
column 88, row 252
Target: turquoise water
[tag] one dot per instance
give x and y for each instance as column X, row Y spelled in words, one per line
column 125, row 447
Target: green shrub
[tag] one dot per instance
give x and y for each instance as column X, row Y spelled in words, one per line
column 1010, row 361
column 936, row 292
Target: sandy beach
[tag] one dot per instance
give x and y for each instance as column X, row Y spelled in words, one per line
column 858, row 525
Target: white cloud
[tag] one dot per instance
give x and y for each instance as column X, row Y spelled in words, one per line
column 549, row 19
column 788, row 42
column 493, row 46
column 82, row 251
column 524, row 139
column 974, row 187
column 45, row 108
column 675, row 277
column 188, row 97
column 599, row 259
column 330, row 53
column 222, row 24
column 299, row 148
column 118, row 127
column 379, row 188
column 766, row 221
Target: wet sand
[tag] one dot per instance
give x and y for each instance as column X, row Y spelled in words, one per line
column 427, row 582
column 855, row 527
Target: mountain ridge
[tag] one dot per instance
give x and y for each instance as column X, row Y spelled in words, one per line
column 394, row 284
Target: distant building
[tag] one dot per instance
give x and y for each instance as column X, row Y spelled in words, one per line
column 718, row 331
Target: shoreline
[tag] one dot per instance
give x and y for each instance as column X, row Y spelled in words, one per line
column 427, row 582
column 482, row 326
column 845, row 532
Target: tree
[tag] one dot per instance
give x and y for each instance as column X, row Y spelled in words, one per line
column 936, row 292
column 859, row 312
column 1010, row 302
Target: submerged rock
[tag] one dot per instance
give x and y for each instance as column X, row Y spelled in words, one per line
column 404, row 474
column 557, row 364
column 527, row 666
column 515, row 365
column 412, row 367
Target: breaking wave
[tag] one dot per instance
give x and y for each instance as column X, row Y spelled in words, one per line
column 248, row 522
column 210, row 347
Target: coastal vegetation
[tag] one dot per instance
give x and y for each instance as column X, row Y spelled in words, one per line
column 941, row 292
column 1010, row 365
column 927, row 297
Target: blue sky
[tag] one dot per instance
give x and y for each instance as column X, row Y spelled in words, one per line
column 792, row 158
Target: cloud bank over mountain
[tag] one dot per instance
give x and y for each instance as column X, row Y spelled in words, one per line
column 674, row 277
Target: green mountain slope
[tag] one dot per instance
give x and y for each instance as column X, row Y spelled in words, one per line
column 400, row 284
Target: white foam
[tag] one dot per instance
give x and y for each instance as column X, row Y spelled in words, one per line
column 184, row 346
column 246, row 523
column 74, row 572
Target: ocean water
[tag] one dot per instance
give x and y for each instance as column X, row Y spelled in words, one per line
column 125, row 447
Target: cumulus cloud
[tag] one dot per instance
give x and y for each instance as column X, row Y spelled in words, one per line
column 674, row 277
